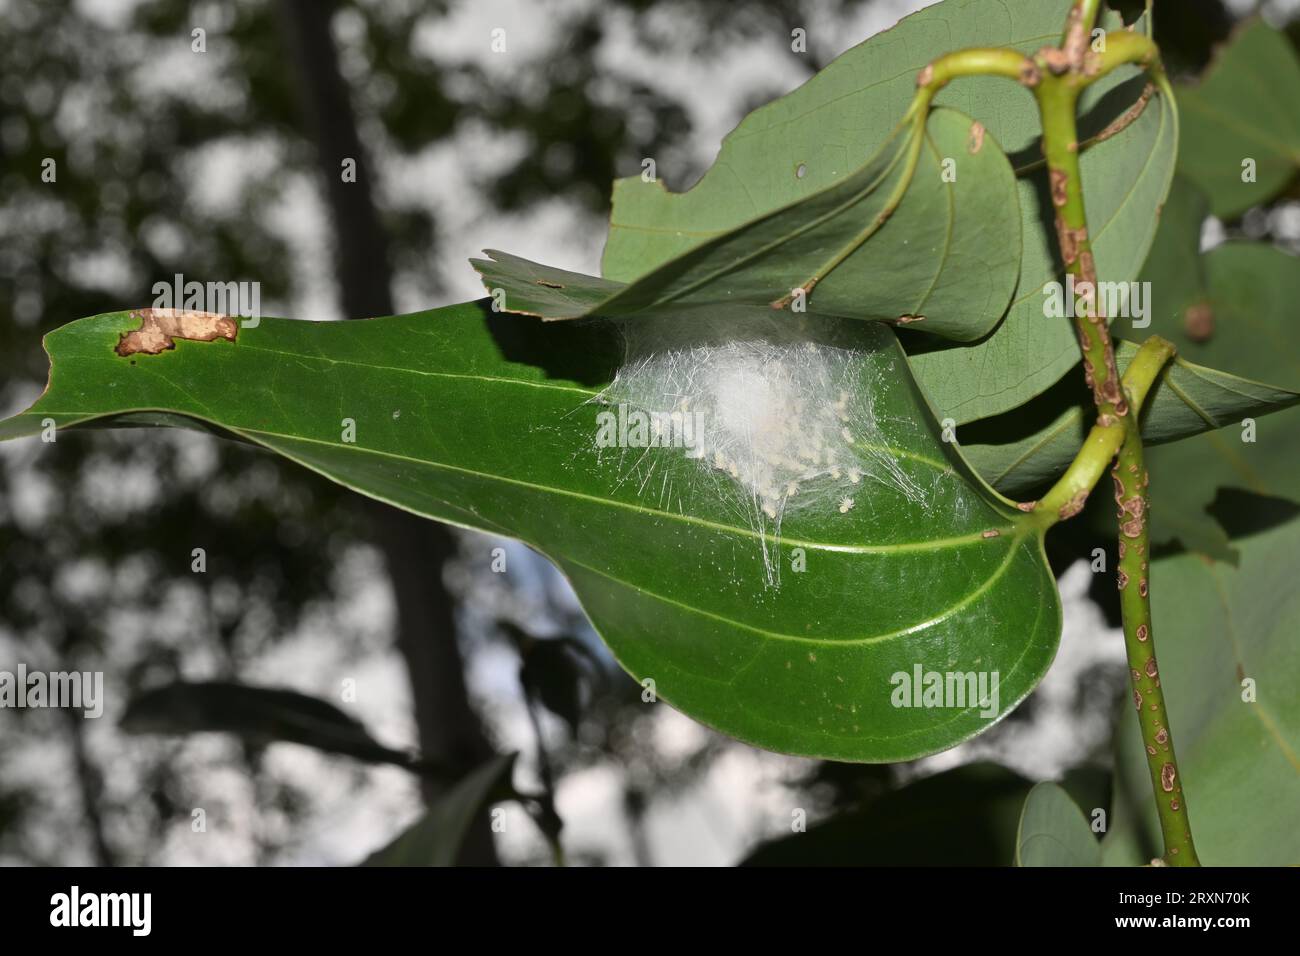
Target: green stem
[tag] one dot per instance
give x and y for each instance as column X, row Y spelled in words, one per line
column 1067, row 497
column 1078, row 31
column 1131, row 480
column 1085, row 13
column 1058, row 75
column 1057, row 100
column 1065, row 73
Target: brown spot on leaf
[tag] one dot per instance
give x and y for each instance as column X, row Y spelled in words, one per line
column 1198, row 322
column 976, row 137
column 549, row 284
column 1030, row 74
column 1167, row 776
column 1162, row 736
column 1143, row 633
column 909, row 319
column 990, row 533
column 1026, row 505
column 1121, row 579
column 1151, row 667
column 160, row 328
column 926, row 75
column 1142, row 587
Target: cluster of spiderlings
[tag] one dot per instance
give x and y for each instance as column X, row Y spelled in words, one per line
column 787, row 421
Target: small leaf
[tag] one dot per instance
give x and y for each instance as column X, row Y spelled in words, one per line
column 555, row 671
column 1054, row 832
column 436, row 837
column 258, row 715
column 947, row 256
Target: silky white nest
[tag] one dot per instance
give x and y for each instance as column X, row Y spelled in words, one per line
column 785, row 419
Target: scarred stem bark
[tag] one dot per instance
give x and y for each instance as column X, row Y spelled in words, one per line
column 1131, row 480
column 1067, row 71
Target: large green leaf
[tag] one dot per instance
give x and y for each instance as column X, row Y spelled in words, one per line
column 489, row 421
column 1021, row 451
column 1243, row 110
column 1216, row 626
column 436, row 837
column 849, row 108
column 948, row 256
column 1054, row 832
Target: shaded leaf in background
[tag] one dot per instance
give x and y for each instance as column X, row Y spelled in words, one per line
column 436, row 837
column 258, row 715
column 1174, row 268
column 1239, row 761
column 1054, row 832
column 961, row 817
column 947, row 257
column 1244, row 108
column 555, row 671
column 1252, row 291
column 848, row 110
column 457, row 418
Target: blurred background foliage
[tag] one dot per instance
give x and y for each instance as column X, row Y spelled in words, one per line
column 224, row 165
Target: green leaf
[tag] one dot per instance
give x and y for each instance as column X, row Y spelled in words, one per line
column 1020, row 452
column 1054, row 832
column 848, row 110
column 1216, row 626
column 258, row 715
column 949, row 254
column 961, row 817
column 490, row 422
column 1243, row 109
column 1248, row 314
column 436, row 838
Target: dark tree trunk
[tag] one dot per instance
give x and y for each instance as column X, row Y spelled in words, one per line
column 415, row 549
